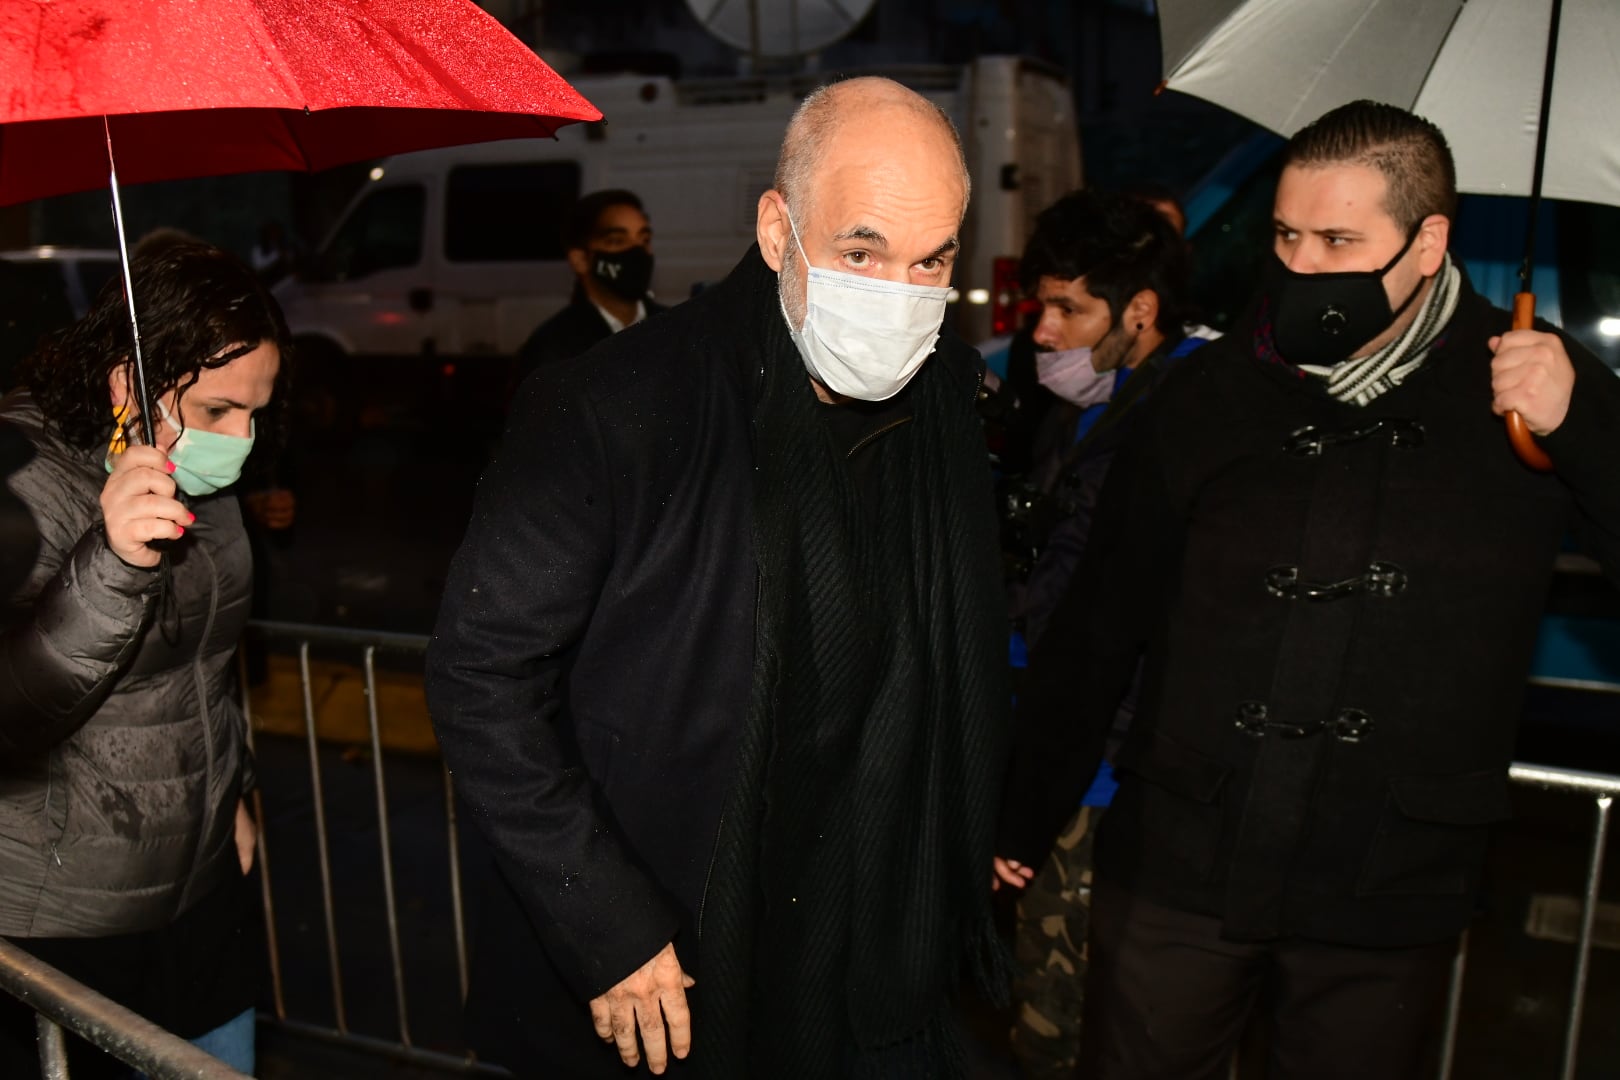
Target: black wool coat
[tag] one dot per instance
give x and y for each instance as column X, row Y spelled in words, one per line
column 591, row 665
column 591, row 671
column 1326, row 767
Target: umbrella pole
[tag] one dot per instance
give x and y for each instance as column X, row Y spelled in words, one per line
column 1524, row 303
column 1527, row 268
column 142, row 395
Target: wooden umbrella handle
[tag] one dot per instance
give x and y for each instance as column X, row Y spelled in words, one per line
column 1524, row 443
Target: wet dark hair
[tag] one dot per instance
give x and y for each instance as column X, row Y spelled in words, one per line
column 1409, row 151
column 193, row 301
column 580, row 228
column 1119, row 244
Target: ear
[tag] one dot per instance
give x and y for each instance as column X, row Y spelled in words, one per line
column 772, row 229
column 579, row 260
column 1143, row 310
column 118, row 384
column 1433, row 236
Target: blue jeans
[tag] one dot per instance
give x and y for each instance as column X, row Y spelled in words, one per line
column 231, row 1042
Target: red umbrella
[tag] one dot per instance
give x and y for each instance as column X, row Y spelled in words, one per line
column 208, row 87
column 188, row 88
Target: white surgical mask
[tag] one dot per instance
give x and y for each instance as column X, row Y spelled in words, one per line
column 1070, row 375
column 864, row 337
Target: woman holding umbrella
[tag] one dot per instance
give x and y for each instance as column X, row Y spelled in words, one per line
column 124, row 839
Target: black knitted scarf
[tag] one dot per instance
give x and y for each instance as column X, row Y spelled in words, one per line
column 849, row 887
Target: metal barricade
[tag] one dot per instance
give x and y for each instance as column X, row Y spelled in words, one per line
column 1603, row 788
column 59, row 1002
column 365, row 646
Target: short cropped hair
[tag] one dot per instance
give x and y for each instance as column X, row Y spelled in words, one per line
column 812, row 127
column 1119, row 244
column 581, row 226
column 1408, row 150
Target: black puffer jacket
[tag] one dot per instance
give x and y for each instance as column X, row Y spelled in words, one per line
column 1306, row 760
column 122, row 750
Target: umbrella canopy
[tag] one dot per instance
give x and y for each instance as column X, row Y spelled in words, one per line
column 194, row 88
column 1475, row 69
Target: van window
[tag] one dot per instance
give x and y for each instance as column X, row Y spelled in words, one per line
column 508, row 213
column 384, row 232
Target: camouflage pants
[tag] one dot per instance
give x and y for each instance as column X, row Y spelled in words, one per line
column 1049, row 955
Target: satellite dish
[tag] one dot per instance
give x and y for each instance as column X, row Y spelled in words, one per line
column 780, row 27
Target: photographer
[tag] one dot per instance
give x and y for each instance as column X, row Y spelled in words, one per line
column 1108, row 272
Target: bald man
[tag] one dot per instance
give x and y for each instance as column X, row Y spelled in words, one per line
column 719, row 670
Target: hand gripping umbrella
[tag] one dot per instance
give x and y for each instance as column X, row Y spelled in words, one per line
column 1482, row 70
column 191, row 88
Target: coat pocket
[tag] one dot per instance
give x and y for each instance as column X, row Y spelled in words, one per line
column 1179, row 802
column 1432, row 834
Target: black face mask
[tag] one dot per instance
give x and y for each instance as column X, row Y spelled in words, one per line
column 627, row 272
column 1320, row 319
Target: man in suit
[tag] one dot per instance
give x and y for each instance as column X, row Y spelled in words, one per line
column 609, row 241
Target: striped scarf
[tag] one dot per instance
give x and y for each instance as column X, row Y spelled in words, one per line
column 1360, row 380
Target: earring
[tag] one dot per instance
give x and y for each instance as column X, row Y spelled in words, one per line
column 1138, row 328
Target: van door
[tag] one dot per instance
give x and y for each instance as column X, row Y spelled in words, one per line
column 371, row 286
column 1023, row 148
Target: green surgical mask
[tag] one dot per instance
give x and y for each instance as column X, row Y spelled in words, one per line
column 205, row 461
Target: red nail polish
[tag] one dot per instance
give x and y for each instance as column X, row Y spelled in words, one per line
column 193, row 516
column 182, row 529
column 169, row 465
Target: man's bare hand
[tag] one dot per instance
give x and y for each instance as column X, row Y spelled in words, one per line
column 1531, row 375
column 654, row 998
column 1011, row 871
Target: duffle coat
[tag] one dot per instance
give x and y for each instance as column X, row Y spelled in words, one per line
column 1339, row 605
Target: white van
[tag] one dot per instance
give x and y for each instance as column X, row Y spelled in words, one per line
column 458, row 252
